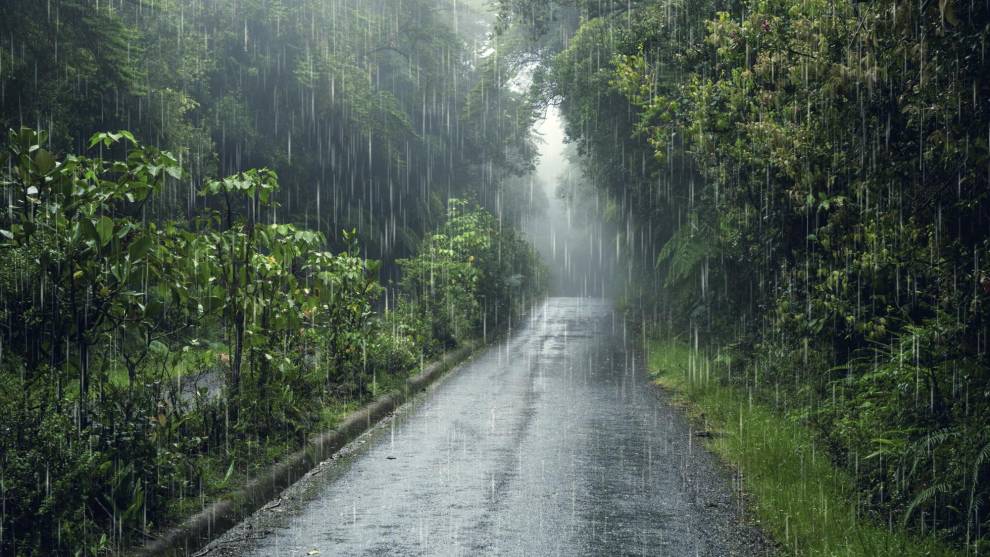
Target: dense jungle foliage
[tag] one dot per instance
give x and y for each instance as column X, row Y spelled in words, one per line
column 314, row 198
column 802, row 185
column 144, row 356
column 371, row 112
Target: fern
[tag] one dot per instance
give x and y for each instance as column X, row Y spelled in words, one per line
column 925, row 496
column 981, row 457
column 682, row 255
column 921, row 449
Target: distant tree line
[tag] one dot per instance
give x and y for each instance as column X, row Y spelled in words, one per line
column 371, row 112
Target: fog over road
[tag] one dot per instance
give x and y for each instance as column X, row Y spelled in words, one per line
column 549, row 443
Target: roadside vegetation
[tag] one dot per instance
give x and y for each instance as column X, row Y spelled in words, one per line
column 182, row 303
column 110, row 315
column 802, row 185
column 800, row 497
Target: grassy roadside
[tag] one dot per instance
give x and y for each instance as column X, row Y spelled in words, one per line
column 803, row 501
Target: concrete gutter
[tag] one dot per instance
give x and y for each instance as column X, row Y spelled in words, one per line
column 206, row 525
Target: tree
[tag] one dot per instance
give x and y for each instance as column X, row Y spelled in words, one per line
column 79, row 227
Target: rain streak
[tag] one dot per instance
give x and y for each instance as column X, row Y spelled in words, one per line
column 495, row 277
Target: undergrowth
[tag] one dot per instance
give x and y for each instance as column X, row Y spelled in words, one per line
column 803, row 501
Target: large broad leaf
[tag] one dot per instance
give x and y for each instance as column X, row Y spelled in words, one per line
column 139, row 247
column 44, row 161
column 104, row 228
column 158, row 347
column 87, row 231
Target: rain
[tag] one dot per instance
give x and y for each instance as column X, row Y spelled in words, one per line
column 497, row 277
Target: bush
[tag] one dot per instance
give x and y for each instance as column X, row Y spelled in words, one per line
column 280, row 330
column 470, row 276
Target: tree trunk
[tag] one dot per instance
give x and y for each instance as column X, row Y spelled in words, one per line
column 235, row 360
column 82, row 347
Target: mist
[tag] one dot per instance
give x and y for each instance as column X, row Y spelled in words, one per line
column 569, row 233
column 245, row 241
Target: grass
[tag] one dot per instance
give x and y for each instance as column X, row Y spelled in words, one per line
column 332, row 413
column 223, row 473
column 803, row 501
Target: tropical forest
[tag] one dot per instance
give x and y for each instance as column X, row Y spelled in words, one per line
column 495, row 277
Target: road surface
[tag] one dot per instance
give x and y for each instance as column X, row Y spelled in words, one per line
column 553, row 442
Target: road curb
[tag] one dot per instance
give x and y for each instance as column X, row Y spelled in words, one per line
column 206, row 525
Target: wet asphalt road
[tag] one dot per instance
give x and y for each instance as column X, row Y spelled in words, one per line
column 549, row 443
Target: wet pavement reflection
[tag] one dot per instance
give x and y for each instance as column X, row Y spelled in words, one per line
column 549, row 443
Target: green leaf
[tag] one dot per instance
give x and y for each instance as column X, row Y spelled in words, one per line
column 104, row 228
column 230, row 472
column 44, row 160
column 88, row 231
column 98, row 138
column 175, row 171
column 139, row 247
column 135, row 505
column 123, row 230
column 158, row 347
